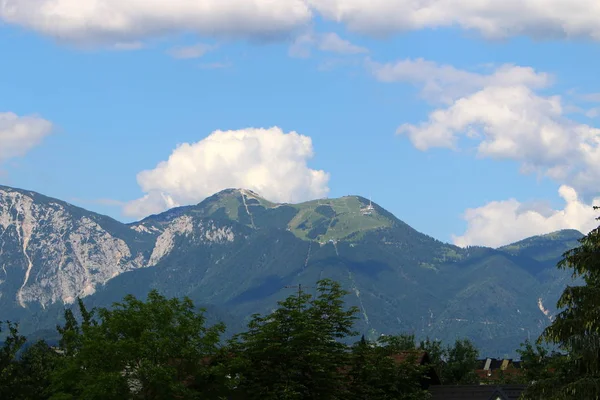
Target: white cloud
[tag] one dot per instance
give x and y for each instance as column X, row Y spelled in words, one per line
column 332, row 43
column 445, row 83
column 19, row 134
column 593, row 112
column 267, row 161
column 194, row 51
column 505, row 116
column 492, row 18
column 112, row 21
column 502, row 222
column 326, row 42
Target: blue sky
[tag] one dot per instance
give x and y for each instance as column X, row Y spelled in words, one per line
column 500, row 114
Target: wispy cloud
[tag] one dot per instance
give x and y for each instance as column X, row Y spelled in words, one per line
column 189, row 52
column 326, row 42
column 590, row 97
column 331, row 42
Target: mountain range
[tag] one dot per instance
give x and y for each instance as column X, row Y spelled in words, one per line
column 236, row 254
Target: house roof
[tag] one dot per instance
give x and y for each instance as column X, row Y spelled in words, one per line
column 420, row 357
column 476, row 392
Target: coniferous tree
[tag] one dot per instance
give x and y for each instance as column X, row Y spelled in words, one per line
column 576, row 329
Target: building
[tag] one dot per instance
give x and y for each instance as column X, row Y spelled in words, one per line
column 476, row 392
column 496, row 371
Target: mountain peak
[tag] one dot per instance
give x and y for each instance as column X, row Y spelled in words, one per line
column 322, row 220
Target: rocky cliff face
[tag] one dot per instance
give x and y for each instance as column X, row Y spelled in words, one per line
column 53, row 252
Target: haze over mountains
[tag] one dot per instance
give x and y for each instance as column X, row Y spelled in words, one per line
column 237, row 254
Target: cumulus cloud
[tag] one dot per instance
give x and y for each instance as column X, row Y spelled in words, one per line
column 101, row 21
column 19, row 134
column 112, row 21
column 327, row 42
column 505, row 115
column 267, row 161
column 502, row 222
column 491, row 18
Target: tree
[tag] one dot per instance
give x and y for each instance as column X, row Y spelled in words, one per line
column 8, row 360
column 536, row 362
column 459, row 368
column 576, row 329
column 34, row 369
column 436, row 353
column 295, row 352
column 398, row 343
column 156, row 349
column 376, row 374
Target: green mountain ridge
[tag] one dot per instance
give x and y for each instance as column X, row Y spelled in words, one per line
column 322, row 220
column 238, row 254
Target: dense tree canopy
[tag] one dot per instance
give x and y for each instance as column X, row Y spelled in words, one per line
column 162, row 349
column 147, row 350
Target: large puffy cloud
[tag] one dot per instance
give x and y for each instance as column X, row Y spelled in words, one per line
column 267, row 161
column 100, row 21
column 507, row 117
column 19, row 134
column 115, row 21
column 502, row 222
column 492, row 18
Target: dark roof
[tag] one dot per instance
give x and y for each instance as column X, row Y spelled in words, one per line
column 476, row 392
column 420, row 357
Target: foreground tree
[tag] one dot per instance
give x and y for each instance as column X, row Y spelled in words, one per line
column 295, row 352
column 158, row 349
column 377, row 373
column 8, row 360
column 538, row 363
column 576, row 329
column 454, row 364
column 459, row 366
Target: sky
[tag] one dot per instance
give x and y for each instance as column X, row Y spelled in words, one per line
column 475, row 122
